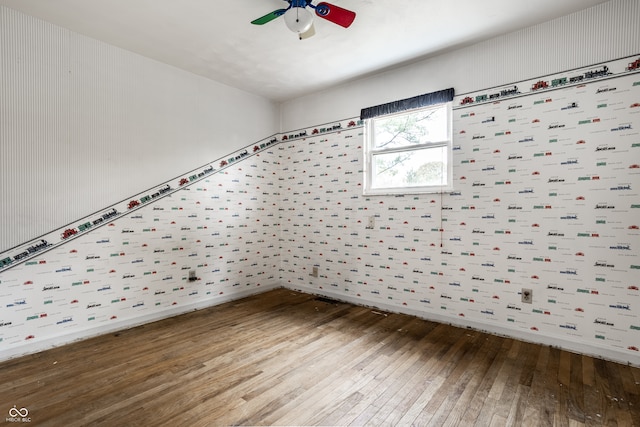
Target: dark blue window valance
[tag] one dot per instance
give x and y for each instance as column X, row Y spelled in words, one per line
column 438, row 97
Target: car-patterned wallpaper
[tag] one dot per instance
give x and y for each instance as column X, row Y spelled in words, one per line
column 546, row 197
column 201, row 239
column 546, row 178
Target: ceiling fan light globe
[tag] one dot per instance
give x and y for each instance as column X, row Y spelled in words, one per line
column 298, row 19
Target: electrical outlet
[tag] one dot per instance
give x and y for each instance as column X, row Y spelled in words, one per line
column 371, row 222
column 192, row 276
column 527, row 296
column 314, row 272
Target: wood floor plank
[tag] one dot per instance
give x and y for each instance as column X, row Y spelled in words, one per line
column 313, row 381
column 551, row 386
column 454, row 406
column 618, row 398
column 431, row 381
column 464, row 412
column 477, row 412
column 513, row 390
column 495, row 388
column 576, row 411
column 592, row 397
column 397, row 391
column 287, row 358
column 375, row 396
column 325, row 386
column 332, row 393
column 518, row 405
column 535, row 412
column 435, row 363
column 437, row 410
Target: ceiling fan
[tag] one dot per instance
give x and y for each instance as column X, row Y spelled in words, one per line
column 300, row 20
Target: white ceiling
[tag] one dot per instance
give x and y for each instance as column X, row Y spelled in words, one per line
column 214, row 38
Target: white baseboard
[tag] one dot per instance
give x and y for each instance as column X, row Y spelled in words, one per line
column 557, row 342
column 63, row 339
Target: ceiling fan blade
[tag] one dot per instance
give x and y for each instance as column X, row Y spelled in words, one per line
column 310, row 32
column 335, row 14
column 269, row 17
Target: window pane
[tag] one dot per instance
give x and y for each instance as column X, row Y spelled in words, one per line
column 425, row 167
column 425, row 125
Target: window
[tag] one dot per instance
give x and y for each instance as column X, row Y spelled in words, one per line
column 409, row 152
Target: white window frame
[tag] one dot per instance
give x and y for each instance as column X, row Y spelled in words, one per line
column 370, row 151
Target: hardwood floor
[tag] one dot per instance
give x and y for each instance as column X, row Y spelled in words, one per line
column 285, row 358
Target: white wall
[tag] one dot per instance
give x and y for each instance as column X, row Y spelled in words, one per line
column 604, row 32
column 84, row 125
column 134, row 267
column 546, row 197
column 396, row 268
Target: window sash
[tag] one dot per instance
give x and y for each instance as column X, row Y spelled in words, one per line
column 442, row 117
column 406, row 148
column 370, row 152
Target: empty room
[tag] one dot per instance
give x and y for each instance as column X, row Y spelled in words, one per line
column 293, row 212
